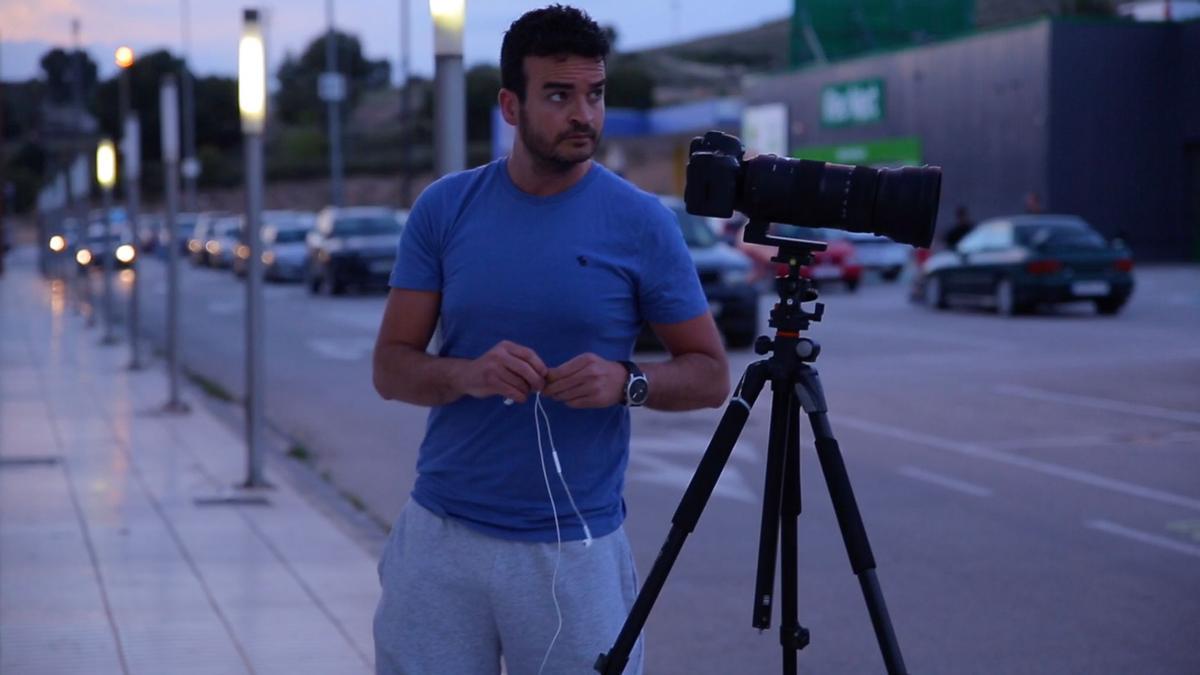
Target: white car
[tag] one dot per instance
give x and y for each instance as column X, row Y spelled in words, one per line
column 880, row 254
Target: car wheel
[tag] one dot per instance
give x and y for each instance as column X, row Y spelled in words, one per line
column 1005, row 299
column 336, row 286
column 934, row 297
column 852, row 285
column 891, row 273
column 1109, row 306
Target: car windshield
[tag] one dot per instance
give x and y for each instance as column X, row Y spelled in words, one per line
column 359, row 226
column 1059, row 236
column 696, row 232
column 289, row 235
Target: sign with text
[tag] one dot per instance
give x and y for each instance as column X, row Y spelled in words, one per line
column 853, row 103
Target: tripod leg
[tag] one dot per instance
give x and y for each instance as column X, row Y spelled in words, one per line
column 792, row 636
column 862, row 561
column 687, row 515
column 768, row 538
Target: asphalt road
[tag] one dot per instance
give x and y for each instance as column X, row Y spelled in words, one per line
column 1030, row 486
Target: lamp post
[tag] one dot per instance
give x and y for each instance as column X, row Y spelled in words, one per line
column 168, row 112
column 106, row 176
column 252, row 102
column 333, row 89
column 450, row 120
column 131, row 171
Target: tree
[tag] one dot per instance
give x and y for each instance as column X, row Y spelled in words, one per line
column 59, row 67
column 297, row 101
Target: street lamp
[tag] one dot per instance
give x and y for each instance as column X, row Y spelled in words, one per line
column 450, row 103
column 252, row 101
column 106, row 176
column 131, row 173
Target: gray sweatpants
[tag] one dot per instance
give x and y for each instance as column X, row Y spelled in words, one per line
column 455, row 600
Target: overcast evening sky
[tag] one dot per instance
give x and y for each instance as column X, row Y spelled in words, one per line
column 29, row 27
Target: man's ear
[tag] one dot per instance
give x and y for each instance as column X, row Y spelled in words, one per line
column 510, row 106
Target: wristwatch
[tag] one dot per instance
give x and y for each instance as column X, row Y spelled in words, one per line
column 637, row 387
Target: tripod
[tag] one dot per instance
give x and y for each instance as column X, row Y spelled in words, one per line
column 795, row 386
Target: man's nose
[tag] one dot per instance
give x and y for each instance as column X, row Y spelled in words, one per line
column 581, row 113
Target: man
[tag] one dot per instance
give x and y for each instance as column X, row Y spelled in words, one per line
column 961, row 228
column 541, row 269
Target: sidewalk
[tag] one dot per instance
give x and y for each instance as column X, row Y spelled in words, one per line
column 107, row 565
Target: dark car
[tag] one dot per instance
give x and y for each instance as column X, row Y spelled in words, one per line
column 1016, row 263
column 353, row 246
column 284, row 252
column 725, row 274
column 118, row 246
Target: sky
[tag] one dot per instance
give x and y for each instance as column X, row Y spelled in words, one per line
column 28, row 28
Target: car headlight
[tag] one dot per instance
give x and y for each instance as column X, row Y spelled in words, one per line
column 268, row 257
column 126, row 253
column 735, row 277
column 83, row 256
column 57, row 243
column 213, row 247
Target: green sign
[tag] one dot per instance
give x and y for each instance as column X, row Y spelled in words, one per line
column 886, row 152
column 831, row 30
column 852, row 103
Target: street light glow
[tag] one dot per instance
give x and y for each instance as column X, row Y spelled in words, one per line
column 252, row 75
column 106, row 164
column 448, row 18
column 124, row 57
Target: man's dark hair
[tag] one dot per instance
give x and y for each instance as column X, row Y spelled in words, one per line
column 556, row 30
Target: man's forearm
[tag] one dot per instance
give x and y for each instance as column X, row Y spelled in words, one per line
column 402, row 373
column 687, row 382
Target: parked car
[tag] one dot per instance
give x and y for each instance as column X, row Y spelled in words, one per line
column 284, row 254
column 185, row 227
column 198, row 249
column 95, row 246
column 352, row 246
column 838, row 263
column 725, row 275
column 879, row 254
column 221, row 241
column 1013, row 264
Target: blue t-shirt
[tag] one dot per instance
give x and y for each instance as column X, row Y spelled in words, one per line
column 575, row 272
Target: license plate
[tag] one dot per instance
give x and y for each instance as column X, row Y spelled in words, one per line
column 1090, row 289
column 827, row 272
column 715, row 308
column 381, row 267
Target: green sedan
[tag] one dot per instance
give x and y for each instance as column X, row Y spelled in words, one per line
column 1014, row 264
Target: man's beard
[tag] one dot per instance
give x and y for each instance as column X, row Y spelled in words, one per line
column 545, row 152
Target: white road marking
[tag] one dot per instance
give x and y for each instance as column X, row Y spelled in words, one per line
column 657, row 460
column 1047, row 468
column 1144, row 537
column 945, row 481
column 342, row 349
column 1111, row 405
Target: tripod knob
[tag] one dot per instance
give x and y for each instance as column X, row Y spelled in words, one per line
column 763, row 345
column 807, row 350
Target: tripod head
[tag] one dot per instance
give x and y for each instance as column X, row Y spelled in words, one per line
column 788, row 317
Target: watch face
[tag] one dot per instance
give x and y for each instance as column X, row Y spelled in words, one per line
column 638, row 390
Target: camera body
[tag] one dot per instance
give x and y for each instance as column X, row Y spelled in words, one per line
column 900, row 203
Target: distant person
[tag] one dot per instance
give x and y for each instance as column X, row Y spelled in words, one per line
column 962, row 227
column 1033, row 202
column 541, row 269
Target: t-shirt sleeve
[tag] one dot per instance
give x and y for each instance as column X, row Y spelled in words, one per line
column 418, row 264
column 669, row 288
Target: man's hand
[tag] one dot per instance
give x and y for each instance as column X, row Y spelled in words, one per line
column 587, row 381
column 507, row 370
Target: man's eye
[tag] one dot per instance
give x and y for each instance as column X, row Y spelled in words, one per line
column 597, row 94
column 558, row 96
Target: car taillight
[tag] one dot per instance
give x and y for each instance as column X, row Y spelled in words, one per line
column 1044, row 267
column 1124, row 265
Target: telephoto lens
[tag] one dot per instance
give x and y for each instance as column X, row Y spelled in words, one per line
column 900, row 204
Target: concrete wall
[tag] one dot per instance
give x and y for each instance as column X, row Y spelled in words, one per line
column 1117, row 153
